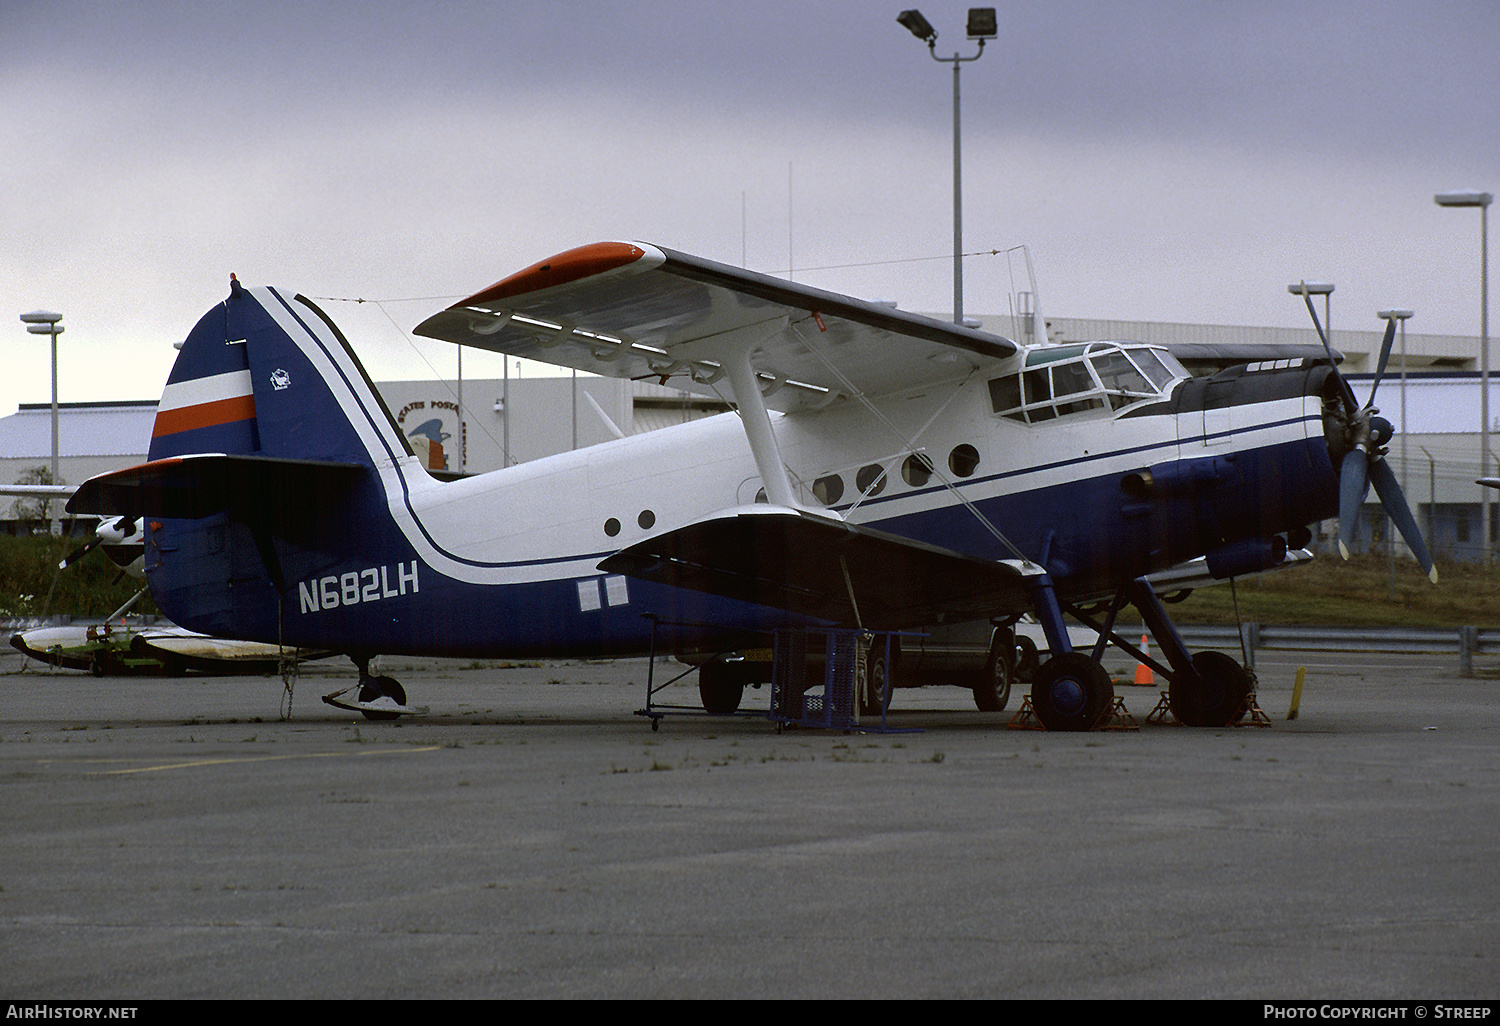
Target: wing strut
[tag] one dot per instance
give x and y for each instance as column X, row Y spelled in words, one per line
column 757, row 422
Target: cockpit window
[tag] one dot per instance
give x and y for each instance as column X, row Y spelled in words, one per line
column 1065, row 380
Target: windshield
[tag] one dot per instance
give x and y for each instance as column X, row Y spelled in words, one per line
column 1065, row 380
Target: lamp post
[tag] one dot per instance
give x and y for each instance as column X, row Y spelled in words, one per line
column 1318, row 288
column 44, row 322
column 1482, row 200
column 1401, row 316
column 981, row 26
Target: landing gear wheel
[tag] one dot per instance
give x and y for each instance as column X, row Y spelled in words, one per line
column 1217, row 698
column 1071, row 692
column 1026, row 663
column 720, row 686
column 374, row 688
column 992, row 691
column 876, row 679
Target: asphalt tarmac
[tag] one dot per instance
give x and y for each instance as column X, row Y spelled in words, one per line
column 532, row 838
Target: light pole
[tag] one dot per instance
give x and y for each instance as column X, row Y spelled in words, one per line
column 1401, row 316
column 44, row 322
column 981, row 26
column 1324, row 289
column 1474, row 198
column 1318, row 288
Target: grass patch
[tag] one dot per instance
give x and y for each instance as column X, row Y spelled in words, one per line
column 1359, row 592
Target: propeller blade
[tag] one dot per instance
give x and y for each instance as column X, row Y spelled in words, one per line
column 1350, row 404
column 1353, row 482
column 1394, row 501
column 1385, row 357
column 79, row 553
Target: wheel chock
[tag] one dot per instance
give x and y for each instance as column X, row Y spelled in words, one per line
column 1025, row 717
column 1162, row 714
column 1251, row 714
column 1117, row 717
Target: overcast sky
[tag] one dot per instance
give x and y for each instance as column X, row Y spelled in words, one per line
column 1174, row 161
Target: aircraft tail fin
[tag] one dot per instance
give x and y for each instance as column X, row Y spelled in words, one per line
column 265, row 374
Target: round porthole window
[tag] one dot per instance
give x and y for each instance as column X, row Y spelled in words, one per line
column 870, row 480
column 829, row 489
column 963, row 460
column 916, row 469
column 647, row 519
column 611, row 527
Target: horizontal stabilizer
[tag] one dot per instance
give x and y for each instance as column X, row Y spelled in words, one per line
column 811, row 565
column 197, row 486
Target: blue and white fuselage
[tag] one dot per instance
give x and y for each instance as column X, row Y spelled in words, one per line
column 916, row 472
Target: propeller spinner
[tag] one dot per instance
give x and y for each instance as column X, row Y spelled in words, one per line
column 1363, row 437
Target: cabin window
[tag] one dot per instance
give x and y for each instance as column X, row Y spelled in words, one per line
column 870, row 480
column 916, row 469
column 963, row 460
column 828, row 489
column 1059, row 381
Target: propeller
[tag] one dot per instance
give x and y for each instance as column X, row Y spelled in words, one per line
column 1365, row 436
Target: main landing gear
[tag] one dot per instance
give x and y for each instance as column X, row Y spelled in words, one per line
column 1072, row 691
column 375, row 698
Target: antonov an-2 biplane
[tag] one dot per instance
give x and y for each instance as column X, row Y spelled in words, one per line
column 883, row 470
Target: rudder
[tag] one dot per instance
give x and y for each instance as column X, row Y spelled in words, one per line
column 262, row 374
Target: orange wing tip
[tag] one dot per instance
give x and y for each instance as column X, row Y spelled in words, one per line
column 565, row 268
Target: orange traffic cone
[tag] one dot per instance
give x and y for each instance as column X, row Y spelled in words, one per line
column 1143, row 675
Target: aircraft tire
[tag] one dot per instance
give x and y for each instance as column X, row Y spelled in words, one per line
column 992, row 691
column 1217, row 698
column 720, row 686
column 376, row 687
column 877, row 679
column 1071, row 692
column 1026, row 663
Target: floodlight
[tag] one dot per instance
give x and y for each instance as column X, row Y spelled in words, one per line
column 982, row 23
column 1463, row 198
column 917, row 25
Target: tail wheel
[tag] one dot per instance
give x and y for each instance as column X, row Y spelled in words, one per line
column 374, row 688
column 1071, row 692
column 1217, row 698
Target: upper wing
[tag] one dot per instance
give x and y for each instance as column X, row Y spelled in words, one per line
column 638, row 311
column 823, row 568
